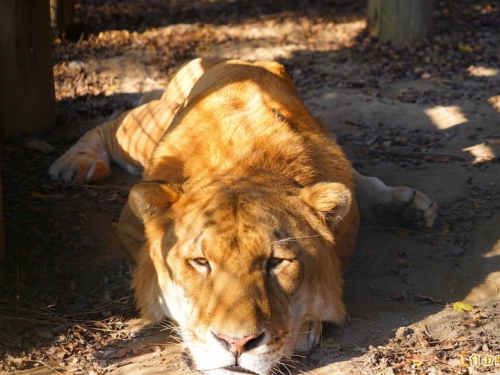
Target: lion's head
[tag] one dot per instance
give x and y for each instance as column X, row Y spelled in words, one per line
column 246, row 266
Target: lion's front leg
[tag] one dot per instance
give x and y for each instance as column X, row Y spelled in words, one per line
column 308, row 336
column 128, row 140
column 115, row 140
column 393, row 206
column 87, row 160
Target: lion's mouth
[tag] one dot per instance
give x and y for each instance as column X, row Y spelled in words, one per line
column 239, row 370
column 235, row 368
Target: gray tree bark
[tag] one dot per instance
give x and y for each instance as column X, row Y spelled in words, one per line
column 400, row 21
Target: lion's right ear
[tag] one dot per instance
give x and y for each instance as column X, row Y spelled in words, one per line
column 330, row 199
column 146, row 199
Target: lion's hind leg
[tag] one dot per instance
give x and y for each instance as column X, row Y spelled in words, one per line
column 394, row 206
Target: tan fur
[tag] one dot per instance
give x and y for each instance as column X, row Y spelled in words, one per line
column 249, row 175
column 245, row 219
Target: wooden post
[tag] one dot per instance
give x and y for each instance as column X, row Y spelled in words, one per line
column 62, row 13
column 27, row 99
column 2, row 230
column 400, row 21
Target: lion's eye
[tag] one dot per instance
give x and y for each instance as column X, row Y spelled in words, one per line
column 200, row 263
column 272, row 263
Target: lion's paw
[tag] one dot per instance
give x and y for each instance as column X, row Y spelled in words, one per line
column 403, row 206
column 81, row 164
column 394, row 206
column 309, row 336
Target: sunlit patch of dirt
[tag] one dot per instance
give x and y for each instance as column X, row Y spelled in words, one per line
column 65, row 301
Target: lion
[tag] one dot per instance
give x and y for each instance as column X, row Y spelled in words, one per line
column 246, row 216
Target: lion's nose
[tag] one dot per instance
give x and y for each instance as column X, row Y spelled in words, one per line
column 240, row 345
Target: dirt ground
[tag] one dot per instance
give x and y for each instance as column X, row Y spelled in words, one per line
column 425, row 115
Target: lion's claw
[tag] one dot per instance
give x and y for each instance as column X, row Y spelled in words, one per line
column 81, row 166
column 408, row 208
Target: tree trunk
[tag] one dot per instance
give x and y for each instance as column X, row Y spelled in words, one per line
column 2, row 231
column 27, row 99
column 62, row 13
column 400, row 21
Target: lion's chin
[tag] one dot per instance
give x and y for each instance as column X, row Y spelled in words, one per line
column 230, row 370
column 238, row 370
column 225, row 370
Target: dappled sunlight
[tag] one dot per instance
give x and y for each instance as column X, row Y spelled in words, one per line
column 446, row 117
column 494, row 101
column 122, row 61
column 487, row 289
column 143, row 127
column 423, row 116
column 483, row 71
column 266, row 40
column 488, row 277
column 482, row 152
column 495, row 251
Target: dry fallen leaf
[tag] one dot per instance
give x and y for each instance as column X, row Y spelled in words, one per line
column 465, row 48
column 119, row 354
column 36, row 194
column 330, row 343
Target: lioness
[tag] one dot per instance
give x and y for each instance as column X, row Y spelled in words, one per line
column 246, row 216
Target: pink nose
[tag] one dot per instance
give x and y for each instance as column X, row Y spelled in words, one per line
column 238, row 346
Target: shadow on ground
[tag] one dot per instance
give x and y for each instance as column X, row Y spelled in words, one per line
column 424, row 116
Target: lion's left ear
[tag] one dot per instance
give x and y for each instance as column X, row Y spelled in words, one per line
column 147, row 199
column 331, row 199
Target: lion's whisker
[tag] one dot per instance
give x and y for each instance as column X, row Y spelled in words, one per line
column 296, row 238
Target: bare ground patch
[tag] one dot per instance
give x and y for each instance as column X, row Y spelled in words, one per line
column 425, row 115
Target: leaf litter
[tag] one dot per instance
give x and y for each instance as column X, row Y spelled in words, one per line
column 61, row 312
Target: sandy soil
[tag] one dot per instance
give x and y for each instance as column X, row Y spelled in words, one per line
column 65, row 306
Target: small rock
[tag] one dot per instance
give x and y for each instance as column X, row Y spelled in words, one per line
column 41, row 146
column 87, row 241
column 119, row 353
column 457, row 251
column 45, row 335
column 403, row 332
column 76, row 65
column 404, row 272
column 402, row 262
column 58, row 330
column 93, row 193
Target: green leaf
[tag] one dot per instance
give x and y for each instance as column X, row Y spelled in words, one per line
column 462, row 307
column 330, row 343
